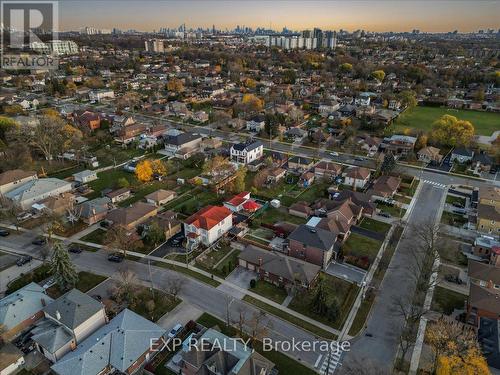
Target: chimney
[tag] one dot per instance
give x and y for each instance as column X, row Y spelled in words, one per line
column 58, row 315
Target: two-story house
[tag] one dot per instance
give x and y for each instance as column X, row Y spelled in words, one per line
column 488, row 210
column 313, row 245
column 484, row 292
column 207, row 225
column 247, row 152
column 182, row 145
column 357, row 177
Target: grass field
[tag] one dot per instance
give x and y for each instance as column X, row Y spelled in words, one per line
column 421, row 118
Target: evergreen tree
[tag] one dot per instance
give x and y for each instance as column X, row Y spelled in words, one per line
column 388, row 164
column 62, row 268
column 318, row 303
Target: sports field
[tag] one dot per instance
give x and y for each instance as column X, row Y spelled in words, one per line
column 422, row 118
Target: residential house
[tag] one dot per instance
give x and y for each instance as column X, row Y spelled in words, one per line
column 328, row 107
column 278, row 269
column 247, row 152
column 385, row 186
column 357, row 177
column 182, row 145
column 21, row 309
column 124, row 345
column 242, row 202
column 486, row 247
column 128, row 134
column 462, row 155
column 200, row 116
column 369, row 144
column 399, row 145
column 360, row 199
column 11, row 359
column 275, row 175
column 327, row 170
column 85, row 176
column 119, row 195
column 67, row 321
column 88, row 120
column 482, row 162
column 488, row 210
column 313, row 245
column 94, row 210
column 167, row 220
column 484, row 292
column 306, row 179
column 99, row 95
column 429, row 154
column 300, row 209
column 36, row 190
column 160, row 197
column 256, row 123
column 9, row 180
column 336, row 216
column 299, row 164
column 216, row 353
column 207, row 225
column 296, row 133
column 130, row 217
column 57, row 205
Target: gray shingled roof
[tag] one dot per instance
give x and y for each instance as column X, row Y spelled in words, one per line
column 315, row 237
column 117, row 344
column 51, row 336
column 74, row 307
column 22, row 304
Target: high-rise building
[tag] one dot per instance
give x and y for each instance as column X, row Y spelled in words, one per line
column 56, row 47
column 154, row 45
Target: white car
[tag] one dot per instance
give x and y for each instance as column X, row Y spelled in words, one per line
column 174, row 331
column 334, row 153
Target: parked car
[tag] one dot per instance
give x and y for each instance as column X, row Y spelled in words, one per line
column 175, row 331
column 49, row 283
column 4, row 233
column 97, row 297
column 384, row 214
column 457, row 204
column 453, row 279
column 116, row 257
column 39, row 241
column 104, row 224
column 75, row 249
column 359, row 158
column 23, row 260
column 333, row 153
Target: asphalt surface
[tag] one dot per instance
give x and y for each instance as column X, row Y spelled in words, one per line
column 383, row 323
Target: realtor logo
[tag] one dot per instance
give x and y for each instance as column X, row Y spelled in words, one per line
column 24, row 24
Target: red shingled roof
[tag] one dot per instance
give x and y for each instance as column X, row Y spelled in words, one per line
column 208, row 217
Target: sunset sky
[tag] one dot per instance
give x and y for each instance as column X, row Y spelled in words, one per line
column 146, row 15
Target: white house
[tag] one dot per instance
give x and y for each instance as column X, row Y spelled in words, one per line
column 98, row 95
column 85, row 176
column 246, row 153
column 256, row 123
column 9, row 180
column 36, row 190
column 357, row 177
column 207, row 225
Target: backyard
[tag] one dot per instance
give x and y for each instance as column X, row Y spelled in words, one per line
column 445, row 301
column 275, row 215
column 374, row 225
column 360, row 250
column 452, row 219
column 422, row 118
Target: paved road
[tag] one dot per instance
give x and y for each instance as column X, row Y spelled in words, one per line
column 195, row 293
column 383, row 324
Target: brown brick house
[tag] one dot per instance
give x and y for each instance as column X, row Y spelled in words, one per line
column 313, row 245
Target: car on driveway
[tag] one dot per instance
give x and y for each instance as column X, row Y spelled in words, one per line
column 384, row 214
column 175, row 331
column 39, row 241
column 4, row 233
column 23, row 260
column 116, row 257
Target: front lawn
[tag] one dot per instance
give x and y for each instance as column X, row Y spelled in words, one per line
column 452, row 219
column 360, row 250
column 98, row 236
column 454, row 199
column 108, row 180
column 37, row 275
column 394, row 211
column 445, row 300
column 374, row 225
column 422, row 118
column 88, row 281
column 153, row 307
column 341, row 291
column 270, row 291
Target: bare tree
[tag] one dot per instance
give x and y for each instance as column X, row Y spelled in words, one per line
column 126, row 287
column 241, row 320
column 259, row 326
column 174, row 285
column 73, row 211
column 10, row 211
column 119, row 238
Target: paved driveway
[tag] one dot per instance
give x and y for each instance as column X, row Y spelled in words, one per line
column 346, row 272
column 241, row 277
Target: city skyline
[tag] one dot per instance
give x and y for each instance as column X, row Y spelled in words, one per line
column 379, row 16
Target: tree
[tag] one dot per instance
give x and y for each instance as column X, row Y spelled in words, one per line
column 122, row 182
column 126, row 288
column 252, row 102
column 289, row 76
column 176, row 85
column 258, row 327
column 450, row 131
column 456, row 348
column 6, row 125
column 388, row 164
column 62, row 268
column 260, row 179
column 144, row 171
column 119, row 238
column 319, row 301
column 379, row 75
column 408, row 99
column 174, row 285
column 155, row 234
column 346, row 67
column 13, row 110
column 159, row 167
column 238, row 184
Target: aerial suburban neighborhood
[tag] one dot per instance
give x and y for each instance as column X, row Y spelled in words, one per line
column 250, row 200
